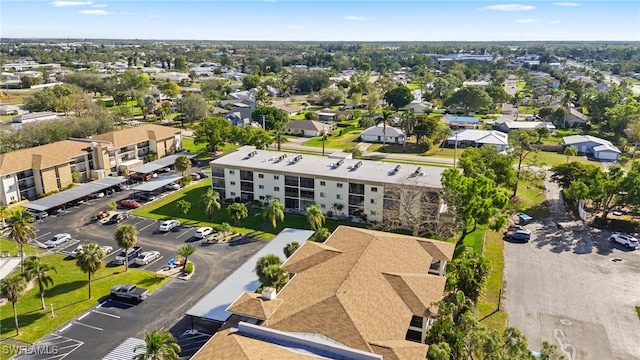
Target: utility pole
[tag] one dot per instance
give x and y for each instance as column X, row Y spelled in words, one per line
column 324, row 136
column 263, row 123
column 455, row 150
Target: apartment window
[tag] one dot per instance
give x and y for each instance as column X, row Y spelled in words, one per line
column 338, row 196
column 323, row 206
column 323, row 194
column 339, row 185
column 260, row 176
column 233, row 193
column 374, row 189
column 232, row 172
column 276, row 177
column 260, row 186
column 373, row 212
column 276, row 188
column 323, row 183
column 261, row 197
column 373, row 201
column 233, row 183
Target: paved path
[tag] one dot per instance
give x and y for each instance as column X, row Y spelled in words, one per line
column 7, row 265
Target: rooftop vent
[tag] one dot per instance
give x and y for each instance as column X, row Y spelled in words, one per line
column 252, row 154
column 357, row 165
column 282, row 157
column 395, row 170
column 337, row 165
column 269, row 293
column 418, row 171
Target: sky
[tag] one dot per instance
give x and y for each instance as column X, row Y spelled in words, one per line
column 323, row 20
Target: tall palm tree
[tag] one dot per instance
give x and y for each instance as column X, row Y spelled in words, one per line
column 279, row 138
column 158, row 345
column 126, row 237
column 408, row 122
column 275, row 276
column 570, row 151
column 12, row 289
column 185, row 251
column 89, row 260
column 274, row 211
column 182, row 164
column 315, row 217
column 34, row 269
column 263, row 263
column 290, row 248
column 237, row 211
column 386, row 114
column 211, row 201
column 21, row 230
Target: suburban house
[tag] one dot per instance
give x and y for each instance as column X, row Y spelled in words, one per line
column 362, row 294
column 172, row 76
column 240, row 116
column 378, row 133
column 9, row 110
column 506, row 125
column 477, row 138
column 326, row 114
column 33, row 117
column 308, row 128
column 461, row 122
column 599, row 149
column 237, row 103
column 574, row 118
column 420, row 107
column 244, row 95
column 291, row 110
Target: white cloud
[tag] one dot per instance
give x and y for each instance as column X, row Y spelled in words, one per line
column 527, row 21
column 573, row 4
column 95, row 12
column 555, row 22
column 71, row 3
column 354, row 18
column 294, row 27
column 508, row 7
column 153, row 16
column 100, row 5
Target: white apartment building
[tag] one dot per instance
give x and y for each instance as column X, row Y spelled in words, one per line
column 336, row 183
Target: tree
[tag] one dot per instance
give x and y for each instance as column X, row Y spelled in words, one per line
column 274, row 211
column 274, row 118
column 158, row 345
column 89, row 260
column 469, row 98
column 355, row 151
column 275, row 276
column 570, row 151
column 237, row 211
column 21, row 230
column 263, row 263
column 195, row 108
column 315, row 217
column 565, row 174
column 112, row 206
column 170, row 88
column 250, row 82
column 290, row 248
column 550, row 352
column 12, row 288
column 542, row 132
column 185, row 251
column 620, row 116
column 468, row 273
column 3, row 212
column 75, row 176
column 331, row 96
column 34, row 269
column 211, row 201
column 386, row 114
column 224, row 228
column 398, row 97
column 321, row 235
column 408, row 122
column 479, row 161
column 498, row 94
column 522, row 151
column 126, row 237
column 182, row 164
column 213, row 132
column 633, row 133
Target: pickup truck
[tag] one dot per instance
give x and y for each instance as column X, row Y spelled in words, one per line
column 129, row 292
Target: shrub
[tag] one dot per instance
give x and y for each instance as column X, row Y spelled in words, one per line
column 617, row 224
column 329, row 213
column 228, row 201
column 188, row 269
column 256, row 203
column 238, row 199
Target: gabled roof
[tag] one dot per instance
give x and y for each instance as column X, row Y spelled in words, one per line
column 512, row 125
column 137, row 134
column 254, row 306
column 489, row 137
column 41, row 157
column 607, row 147
column 578, row 139
column 307, row 125
column 287, row 108
column 378, row 131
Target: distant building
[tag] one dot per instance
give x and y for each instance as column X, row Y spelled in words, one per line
column 33, row 117
column 461, row 122
column 308, row 128
column 477, row 138
column 378, row 134
column 599, row 149
column 506, row 125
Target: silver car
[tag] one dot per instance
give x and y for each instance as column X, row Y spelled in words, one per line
column 57, row 240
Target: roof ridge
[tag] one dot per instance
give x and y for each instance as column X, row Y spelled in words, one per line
column 357, row 262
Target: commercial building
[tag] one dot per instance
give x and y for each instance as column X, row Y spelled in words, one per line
column 337, row 183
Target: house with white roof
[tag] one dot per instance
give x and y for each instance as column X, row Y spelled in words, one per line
column 378, row 133
column 477, row 138
column 36, row 116
column 506, row 125
column 599, row 149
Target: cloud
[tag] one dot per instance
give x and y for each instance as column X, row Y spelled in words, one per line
column 527, row 21
column 354, row 18
column 153, row 16
column 572, row 4
column 294, row 26
column 71, row 3
column 556, row 22
column 508, row 7
column 95, row 12
column 100, row 5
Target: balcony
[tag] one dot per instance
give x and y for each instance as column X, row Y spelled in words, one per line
column 291, row 192
column 246, row 175
column 291, row 181
column 217, row 172
column 357, row 189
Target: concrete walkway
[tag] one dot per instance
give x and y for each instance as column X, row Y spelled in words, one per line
column 7, row 265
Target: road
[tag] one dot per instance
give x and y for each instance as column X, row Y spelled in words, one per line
column 508, row 110
column 615, row 79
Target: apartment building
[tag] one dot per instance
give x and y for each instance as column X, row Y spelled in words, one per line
column 28, row 173
column 336, row 183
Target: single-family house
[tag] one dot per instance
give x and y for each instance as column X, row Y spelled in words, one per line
column 308, row 128
column 243, row 95
column 461, row 122
column 575, row 119
column 506, row 125
column 240, row 116
column 477, row 138
column 172, row 76
column 9, row 110
column 326, row 114
column 237, row 103
column 599, row 149
column 36, row 116
column 378, row 133
column 421, row 107
column 291, row 110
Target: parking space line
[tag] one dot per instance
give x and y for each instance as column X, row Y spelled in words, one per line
column 83, row 316
column 151, row 263
column 184, row 233
column 45, row 234
column 143, row 220
column 147, row 226
column 64, row 328
column 106, row 314
column 89, row 326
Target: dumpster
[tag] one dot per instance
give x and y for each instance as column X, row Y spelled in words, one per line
column 524, row 219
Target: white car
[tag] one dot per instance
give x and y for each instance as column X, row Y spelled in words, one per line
column 147, row 257
column 97, row 195
column 38, row 215
column 106, row 250
column 168, row 225
column 57, row 240
column 203, row 232
column 626, row 240
column 172, row 186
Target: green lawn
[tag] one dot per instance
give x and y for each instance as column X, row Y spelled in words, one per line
column 488, row 312
column 531, row 201
column 344, row 142
column 16, row 98
column 12, row 247
column 189, row 145
column 68, row 296
column 6, row 118
column 413, row 86
column 553, row 158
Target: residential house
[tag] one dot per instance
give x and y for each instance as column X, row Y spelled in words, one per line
column 575, row 119
column 244, row 95
column 506, row 125
column 422, row 107
column 477, row 138
column 476, row 83
column 237, row 103
column 597, row 148
column 172, row 76
column 240, row 116
column 33, row 117
column 326, row 114
column 461, row 122
column 362, row 294
column 308, row 128
column 378, row 133
column 291, row 110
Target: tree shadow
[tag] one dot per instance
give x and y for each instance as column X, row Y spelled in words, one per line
column 109, row 275
column 151, row 281
column 65, row 288
column 7, row 324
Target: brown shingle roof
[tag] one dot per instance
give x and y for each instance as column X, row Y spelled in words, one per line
column 252, row 305
column 41, row 157
column 138, row 134
column 307, row 125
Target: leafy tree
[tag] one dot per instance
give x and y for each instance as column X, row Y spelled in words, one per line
column 34, row 269
column 274, row 118
column 290, row 248
column 224, row 228
column 211, row 201
column 315, row 217
column 195, row 108
column 185, row 251
column 542, row 133
column 89, row 260
column 126, row 237
column 331, row 96
column 12, row 288
column 180, row 63
column 112, row 206
column 250, row 82
column 213, row 132
column 250, row 135
column 184, row 206
column 182, row 164
column 237, row 211
column 498, row 94
column 633, row 134
column 428, row 127
column 21, row 230
column 570, row 151
column 170, row 88
column 550, row 352
column 565, row 174
column 75, row 176
column 274, row 211
column 310, row 81
column 158, row 345
column 468, row 273
column 355, row 152
column 620, row 116
column 321, row 235
column 522, row 151
column 469, row 98
column 398, row 97
column 479, row 161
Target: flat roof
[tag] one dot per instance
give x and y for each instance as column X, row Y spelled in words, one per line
column 72, row 194
column 213, row 306
column 325, row 167
column 166, row 161
column 156, row 183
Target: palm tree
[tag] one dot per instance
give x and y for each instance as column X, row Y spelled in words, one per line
column 112, row 206
column 182, row 164
column 185, row 251
column 408, row 122
column 275, row 276
column 263, row 263
column 21, row 229
column 279, row 138
column 158, row 345
column 315, row 217
column 151, row 156
column 570, row 151
column 89, row 260
column 290, row 248
column 386, row 114
column 126, row 237
column 321, row 235
column 211, row 201
column 224, row 228
column 262, row 97
column 12, row 289
column 34, row 269
column 237, row 211
column 274, row 211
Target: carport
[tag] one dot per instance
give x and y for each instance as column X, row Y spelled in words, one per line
column 78, row 192
column 156, row 165
column 155, row 184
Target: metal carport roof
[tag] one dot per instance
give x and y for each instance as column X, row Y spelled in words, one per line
column 166, row 161
column 156, row 183
column 72, row 194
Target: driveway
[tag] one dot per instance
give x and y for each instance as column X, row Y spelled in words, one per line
column 572, row 287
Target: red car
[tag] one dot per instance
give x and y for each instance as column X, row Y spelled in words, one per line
column 130, row 204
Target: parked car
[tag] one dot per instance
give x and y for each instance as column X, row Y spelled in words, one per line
column 131, row 255
column 57, row 240
column 147, row 257
column 518, row 233
column 168, row 225
column 203, row 232
column 140, row 177
column 76, row 251
column 145, row 196
column 172, row 186
column 626, row 240
column 97, row 195
column 37, row 215
column 106, row 250
column 116, row 218
column 130, row 204
column 195, row 176
column 202, row 174
column 164, row 170
column 129, row 292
